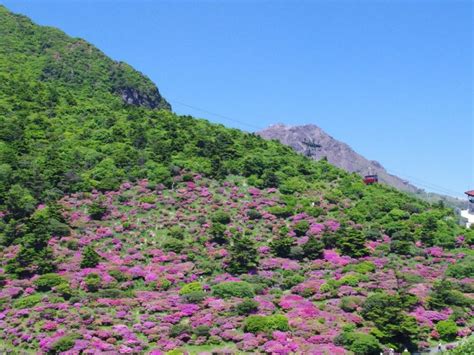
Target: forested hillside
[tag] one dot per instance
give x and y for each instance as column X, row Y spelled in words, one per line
column 126, row 228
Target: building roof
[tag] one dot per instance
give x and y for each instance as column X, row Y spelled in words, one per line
column 470, row 193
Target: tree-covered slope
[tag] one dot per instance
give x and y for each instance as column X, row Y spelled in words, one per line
column 68, row 135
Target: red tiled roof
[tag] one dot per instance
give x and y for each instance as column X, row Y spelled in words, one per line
column 470, row 193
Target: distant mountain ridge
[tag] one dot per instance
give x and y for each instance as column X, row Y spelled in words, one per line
column 343, row 156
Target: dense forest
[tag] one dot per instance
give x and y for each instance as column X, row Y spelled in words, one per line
column 123, row 224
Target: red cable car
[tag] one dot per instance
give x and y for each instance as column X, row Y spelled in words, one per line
column 371, row 179
column 470, row 195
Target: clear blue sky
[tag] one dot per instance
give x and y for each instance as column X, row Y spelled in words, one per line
column 391, row 78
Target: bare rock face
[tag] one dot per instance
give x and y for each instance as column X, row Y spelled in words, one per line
column 336, row 152
column 132, row 96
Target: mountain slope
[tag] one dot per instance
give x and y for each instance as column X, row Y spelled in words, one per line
column 161, row 276
column 119, row 224
column 343, row 156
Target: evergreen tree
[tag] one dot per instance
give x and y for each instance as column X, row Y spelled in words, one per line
column 281, row 245
column 313, row 248
column 34, row 256
column 394, row 326
column 90, row 258
column 351, row 241
column 243, row 255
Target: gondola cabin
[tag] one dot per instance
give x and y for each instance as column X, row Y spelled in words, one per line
column 470, row 198
column 371, row 179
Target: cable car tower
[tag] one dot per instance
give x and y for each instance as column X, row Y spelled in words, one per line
column 371, row 178
column 311, row 146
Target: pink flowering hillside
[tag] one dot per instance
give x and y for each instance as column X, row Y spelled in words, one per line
column 126, row 228
column 210, row 266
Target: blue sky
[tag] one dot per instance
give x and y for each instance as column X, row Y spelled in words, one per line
column 392, row 78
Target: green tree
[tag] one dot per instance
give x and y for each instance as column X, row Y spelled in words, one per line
column 20, row 202
column 243, row 255
column 90, row 258
column 313, row 248
column 394, row 326
column 281, row 245
column 351, row 241
column 301, row 227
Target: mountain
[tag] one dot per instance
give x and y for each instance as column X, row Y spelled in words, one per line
column 48, row 56
column 125, row 228
column 343, row 156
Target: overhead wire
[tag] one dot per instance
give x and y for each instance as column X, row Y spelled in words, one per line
column 410, row 179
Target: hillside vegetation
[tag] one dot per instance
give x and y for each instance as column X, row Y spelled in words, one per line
column 127, row 228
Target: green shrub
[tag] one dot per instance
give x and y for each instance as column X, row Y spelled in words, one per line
column 63, row 344
column 28, row 301
column 58, row 229
column 64, row 290
column 443, row 294
column 72, row 244
column 176, row 232
column 360, row 343
column 178, row 329
column 281, row 212
column 328, row 286
column 348, row 280
column 92, row 282
column 190, row 287
column 394, row 325
column 301, row 228
column 90, row 258
column 296, row 252
column 462, row 268
column 148, row 199
column 253, row 214
column 247, row 306
column 291, row 281
column 217, row 232
column 202, row 331
column 350, row 303
column 447, row 329
column 173, row 245
column 164, row 284
column 113, row 293
column 97, row 210
column 220, row 217
column 47, row 281
column 119, row 276
column 364, row 267
column 229, row 289
column 267, row 324
column 194, row 297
